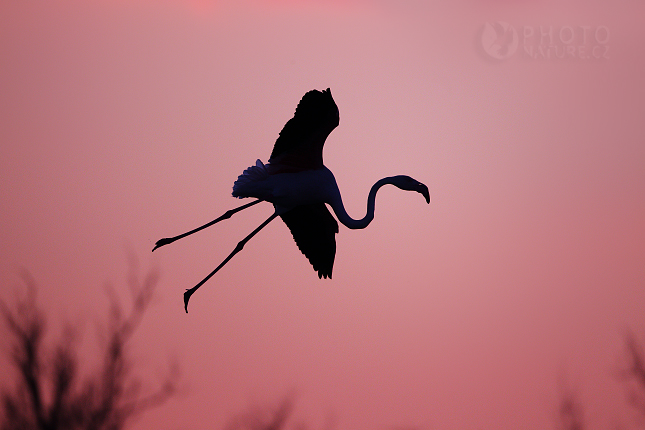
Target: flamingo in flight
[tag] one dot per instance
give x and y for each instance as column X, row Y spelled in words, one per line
column 298, row 185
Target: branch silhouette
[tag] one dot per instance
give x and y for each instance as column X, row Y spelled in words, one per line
column 49, row 393
column 264, row 419
column 570, row 412
column 635, row 372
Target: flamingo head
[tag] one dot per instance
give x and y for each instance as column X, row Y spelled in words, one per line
column 409, row 184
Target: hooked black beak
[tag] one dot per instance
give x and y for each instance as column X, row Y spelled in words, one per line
column 424, row 191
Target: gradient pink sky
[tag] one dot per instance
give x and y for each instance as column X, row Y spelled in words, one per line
column 126, row 121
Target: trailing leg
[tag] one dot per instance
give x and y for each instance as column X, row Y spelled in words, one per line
column 237, row 249
column 227, row 215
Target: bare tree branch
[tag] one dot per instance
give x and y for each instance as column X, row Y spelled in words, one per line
column 635, row 372
column 264, row 419
column 570, row 412
column 53, row 396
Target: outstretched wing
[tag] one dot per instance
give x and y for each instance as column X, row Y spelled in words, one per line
column 300, row 144
column 314, row 230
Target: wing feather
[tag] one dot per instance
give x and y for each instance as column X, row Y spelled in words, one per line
column 314, row 230
column 300, row 143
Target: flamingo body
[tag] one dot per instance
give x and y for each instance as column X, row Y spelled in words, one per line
column 287, row 190
column 300, row 187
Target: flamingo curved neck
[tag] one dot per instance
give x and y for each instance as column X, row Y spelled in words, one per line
column 349, row 222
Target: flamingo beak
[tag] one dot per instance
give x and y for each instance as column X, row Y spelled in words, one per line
column 421, row 188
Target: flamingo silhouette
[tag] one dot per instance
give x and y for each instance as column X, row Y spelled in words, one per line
column 298, row 185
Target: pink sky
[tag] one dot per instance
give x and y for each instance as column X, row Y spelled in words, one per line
column 126, row 121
